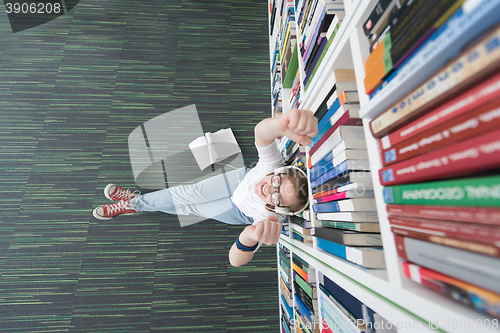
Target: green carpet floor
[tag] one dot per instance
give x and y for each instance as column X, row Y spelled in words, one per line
column 71, row 91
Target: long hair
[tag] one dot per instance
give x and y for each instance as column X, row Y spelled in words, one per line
column 299, row 182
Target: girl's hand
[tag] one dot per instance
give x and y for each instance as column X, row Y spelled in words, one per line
column 298, row 125
column 265, row 231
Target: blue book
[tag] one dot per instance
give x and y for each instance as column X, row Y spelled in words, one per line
column 303, row 309
column 350, row 302
column 288, row 308
column 318, row 172
column 339, row 170
column 368, row 257
column 326, row 118
column 472, row 19
column 285, row 326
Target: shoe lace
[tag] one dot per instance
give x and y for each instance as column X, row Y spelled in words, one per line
column 126, row 193
column 121, row 206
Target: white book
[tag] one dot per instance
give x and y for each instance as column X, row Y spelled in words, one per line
column 214, row 147
column 352, row 205
column 341, row 133
column 348, row 144
column 358, row 217
column 336, row 21
column 350, row 154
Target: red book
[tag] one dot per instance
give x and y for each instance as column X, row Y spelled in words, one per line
column 344, row 120
column 481, row 215
column 474, row 232
column 470, row 124
column 470, row 100
column 468, row 294
column 473, row 155
column 326, row 328
column 462, row 244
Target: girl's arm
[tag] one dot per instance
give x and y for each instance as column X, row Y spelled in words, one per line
column 297, row 124
column 267, row 232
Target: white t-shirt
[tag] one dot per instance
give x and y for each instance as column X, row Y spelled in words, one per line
column 244, row 196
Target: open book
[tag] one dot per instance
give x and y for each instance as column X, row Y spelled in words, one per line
column 214, row 147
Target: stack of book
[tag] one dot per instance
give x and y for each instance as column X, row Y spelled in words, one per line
column 340, row 179
column 395, row 29
column 301, row 229
column 306, row 298
column 318, row 22
column 285, row 287
column 440, row 150
column 342, row 312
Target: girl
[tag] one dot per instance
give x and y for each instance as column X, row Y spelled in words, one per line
column 257, row 197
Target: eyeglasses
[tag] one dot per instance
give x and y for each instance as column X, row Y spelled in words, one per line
column 275, row 196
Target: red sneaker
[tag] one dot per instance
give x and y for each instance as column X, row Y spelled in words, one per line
column 117, row 193
column 107, row 212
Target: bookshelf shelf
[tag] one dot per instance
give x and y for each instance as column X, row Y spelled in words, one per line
column 388, row 292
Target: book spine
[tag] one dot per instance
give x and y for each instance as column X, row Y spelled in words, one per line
column 481, row 215
column 479, row 61
column 473, row 155
column 474, row 192
column 345, row 120
column 474, row 98
column 486, row 234
column 463, row 127
column 467, row 245
column 471, row 267
column 470, row 295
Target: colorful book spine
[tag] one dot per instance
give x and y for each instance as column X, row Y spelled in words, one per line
column 474, row 232
column 476, row 97
column 436, row 238
column 344, row 120
column 483, row 215
column 471, row 267
column 471, row 124
column 474, row 192
column 349, row 238
column 473, row 65
column 361, row 227
column 348, row 165
column 473, row 155
column 344, row 195
column 465, row 293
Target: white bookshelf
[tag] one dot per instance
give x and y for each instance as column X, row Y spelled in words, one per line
column 388, row 292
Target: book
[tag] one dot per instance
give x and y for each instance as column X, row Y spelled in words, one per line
column 340, row 168
column 350, row 302
column 357, row 187
column 368, row 257
column 439, row 238
column 337, row 319
column 340, row 98
column 347, row 237
column 360, row 177
column 339, row 134
column 476, row 97
column 486, row 234
column 214, row 147
column 358, row 217
column 473, row 123
column 469, row 22
column 299, row 221
column 309, row 277
column 477, row 269
column 483, row 215
column 326, row 294
column 479, row 153
column 326, row 163
column 378, row 16
column 474, row 191
column 409, row 28
column 465, row 293
column 471, row 66
column 362, row 227
column 345, row 195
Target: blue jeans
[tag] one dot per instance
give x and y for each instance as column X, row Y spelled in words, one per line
column 208, row 199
